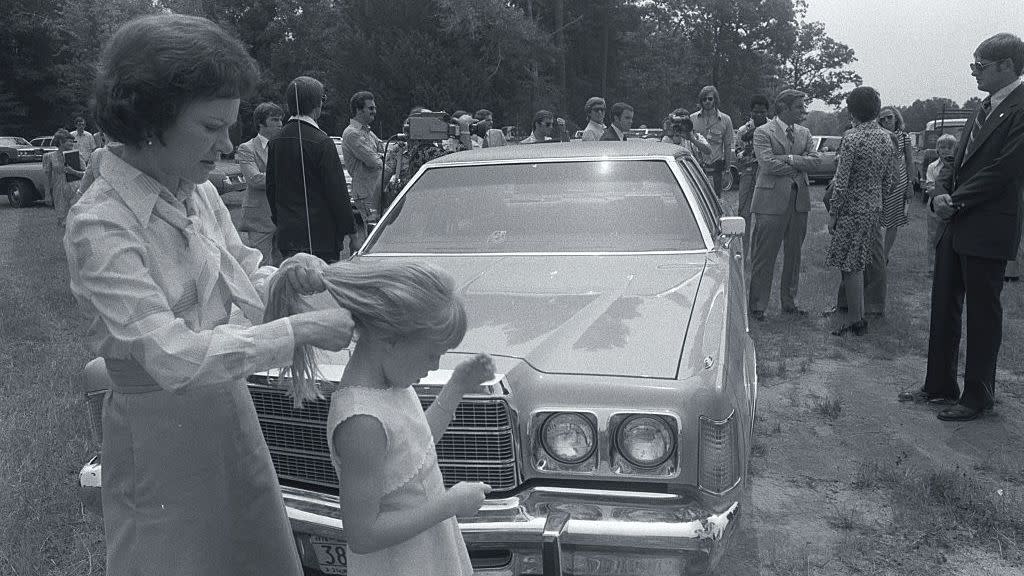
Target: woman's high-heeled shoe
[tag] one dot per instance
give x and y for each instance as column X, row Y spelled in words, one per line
column 858, row 328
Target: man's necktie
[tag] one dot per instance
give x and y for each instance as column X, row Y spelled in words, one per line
column 979, row 121
column 790, row 136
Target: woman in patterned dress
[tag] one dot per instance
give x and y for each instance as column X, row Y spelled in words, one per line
column 57, row 172
column 863, row 175
column 894, row 203
column 188, row 485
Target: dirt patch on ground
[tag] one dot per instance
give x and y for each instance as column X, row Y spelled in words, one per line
column 847, row 480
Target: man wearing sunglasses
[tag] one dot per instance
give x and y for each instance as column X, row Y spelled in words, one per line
column 716, row 127
column 543, row 128
column 978, row 200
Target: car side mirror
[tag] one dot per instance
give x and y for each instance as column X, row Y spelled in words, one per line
column 733, row 225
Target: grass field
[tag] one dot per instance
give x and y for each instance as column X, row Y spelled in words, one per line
column 44, row 435
column 845, row 480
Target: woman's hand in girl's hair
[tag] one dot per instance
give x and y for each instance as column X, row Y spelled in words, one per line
column 470, row 374
column 305, row 273
column 329, row 329
column 465, row 498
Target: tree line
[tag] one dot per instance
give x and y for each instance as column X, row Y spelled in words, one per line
column 915, row 115
column 512, row 57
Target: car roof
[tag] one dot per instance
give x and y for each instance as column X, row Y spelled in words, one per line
column 564, row 150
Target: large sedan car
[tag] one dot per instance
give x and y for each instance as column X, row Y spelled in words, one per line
column 828, row 148
column 607, row 285
column 17, row 149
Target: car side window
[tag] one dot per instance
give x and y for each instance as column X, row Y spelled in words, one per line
column 707, row 202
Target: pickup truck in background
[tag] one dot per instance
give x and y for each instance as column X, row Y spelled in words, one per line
column 948, row 122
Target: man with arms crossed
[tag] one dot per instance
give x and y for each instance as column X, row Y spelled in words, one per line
column 784, row 152
column 256, row 224
column 978, row 200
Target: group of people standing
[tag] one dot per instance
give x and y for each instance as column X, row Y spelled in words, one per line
column 65, row 167
column 188, row 483
column 974, row 199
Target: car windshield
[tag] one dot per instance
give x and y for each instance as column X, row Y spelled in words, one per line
column 572, row 206
column 13, row 141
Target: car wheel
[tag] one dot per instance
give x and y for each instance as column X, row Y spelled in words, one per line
column 4, row 159
column 20, row 193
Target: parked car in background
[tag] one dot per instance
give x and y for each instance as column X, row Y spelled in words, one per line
column 23, row 183
column 827, row 147
column 646, row 133
column 46, row 143
column 17, row 149
column 606, row 283
column 348, row 177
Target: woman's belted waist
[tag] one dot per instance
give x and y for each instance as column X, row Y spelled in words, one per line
column 129, row 377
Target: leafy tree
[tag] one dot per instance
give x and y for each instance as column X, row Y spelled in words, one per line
column 921, row 111
column 817, row 65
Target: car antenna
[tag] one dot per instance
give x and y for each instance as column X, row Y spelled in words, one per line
column 302, row 163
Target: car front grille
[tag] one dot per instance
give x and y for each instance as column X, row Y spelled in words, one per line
column 477, row 446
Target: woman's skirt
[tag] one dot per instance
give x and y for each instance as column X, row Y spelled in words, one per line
column 851, row 243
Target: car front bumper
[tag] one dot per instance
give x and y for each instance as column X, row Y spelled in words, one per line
column 544, row 530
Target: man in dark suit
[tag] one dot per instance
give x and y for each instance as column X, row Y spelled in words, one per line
column 256, row 225
column 622, row 121
column 306, row 188
column 785, row 153
column 978, row 199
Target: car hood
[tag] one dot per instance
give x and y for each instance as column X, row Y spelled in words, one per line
column 615, row 315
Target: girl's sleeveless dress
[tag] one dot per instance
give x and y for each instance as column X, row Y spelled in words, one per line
column 894, row 201
column 411, row 476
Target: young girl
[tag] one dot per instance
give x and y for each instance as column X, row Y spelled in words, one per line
column 399, row 519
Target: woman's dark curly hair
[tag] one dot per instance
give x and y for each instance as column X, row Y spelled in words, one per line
column 155, row 66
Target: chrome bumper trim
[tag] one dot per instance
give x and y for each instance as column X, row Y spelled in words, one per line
column 515, row 521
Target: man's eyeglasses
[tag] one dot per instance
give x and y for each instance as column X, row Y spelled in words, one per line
column 547, row 124
column 708, row 99
column 887, row 117
column 597, row 109
column 977, row 67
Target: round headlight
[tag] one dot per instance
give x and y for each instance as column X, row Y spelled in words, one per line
column 646, row 441
column 569, row 438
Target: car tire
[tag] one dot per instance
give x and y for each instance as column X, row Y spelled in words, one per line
column 20, row 193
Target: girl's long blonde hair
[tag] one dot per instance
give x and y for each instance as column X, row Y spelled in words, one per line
column 387, row 299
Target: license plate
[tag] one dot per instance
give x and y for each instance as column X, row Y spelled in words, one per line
column 330, row 554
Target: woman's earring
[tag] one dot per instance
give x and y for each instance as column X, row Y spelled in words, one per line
column 149, row 142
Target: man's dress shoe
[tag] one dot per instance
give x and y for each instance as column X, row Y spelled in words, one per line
column 795, row 311
column 959, row 413
column 758, row 315
column 919, row 396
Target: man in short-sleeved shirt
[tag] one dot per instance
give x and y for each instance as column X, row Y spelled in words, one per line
column 362, row 151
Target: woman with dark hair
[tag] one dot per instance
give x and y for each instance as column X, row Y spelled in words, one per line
column 863, row 175
column 894, row 204
column 59, row 189
column 188, row 484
